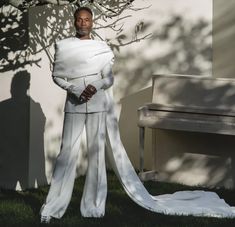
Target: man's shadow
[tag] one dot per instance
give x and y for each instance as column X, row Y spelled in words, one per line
column 22, row 122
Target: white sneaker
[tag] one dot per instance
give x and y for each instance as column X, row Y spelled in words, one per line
column 45, row 219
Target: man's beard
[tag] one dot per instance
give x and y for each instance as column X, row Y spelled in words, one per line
column 82, row 32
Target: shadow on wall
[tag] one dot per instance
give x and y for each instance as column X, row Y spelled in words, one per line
column 19, row 47
column 15, row 153
column 14, row 38
column 178, row 45
column 21, row 44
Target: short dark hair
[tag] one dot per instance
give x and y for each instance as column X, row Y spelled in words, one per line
column 81, row 9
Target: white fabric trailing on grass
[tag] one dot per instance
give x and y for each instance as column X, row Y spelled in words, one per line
column 197, row 203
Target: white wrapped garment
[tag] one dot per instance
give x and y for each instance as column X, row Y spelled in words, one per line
column 77, row 58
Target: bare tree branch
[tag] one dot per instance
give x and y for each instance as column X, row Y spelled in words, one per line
column 114, row 25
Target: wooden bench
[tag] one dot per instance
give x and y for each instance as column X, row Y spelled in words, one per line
column 187, row 103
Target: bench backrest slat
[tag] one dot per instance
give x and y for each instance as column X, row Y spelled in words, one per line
column 187, row 93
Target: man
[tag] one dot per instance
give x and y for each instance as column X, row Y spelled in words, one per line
column 83, row 68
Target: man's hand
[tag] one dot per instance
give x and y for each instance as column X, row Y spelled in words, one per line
column 87, row 93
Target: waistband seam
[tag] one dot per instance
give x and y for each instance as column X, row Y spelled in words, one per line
column 89, row 75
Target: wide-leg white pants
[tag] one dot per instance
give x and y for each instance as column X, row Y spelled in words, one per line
column 95, row 188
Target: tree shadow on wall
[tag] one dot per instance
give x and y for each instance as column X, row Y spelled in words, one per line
column 20, row 162
column 14, row 39
column 187, row 50
column 178, row 46
column 22, row 39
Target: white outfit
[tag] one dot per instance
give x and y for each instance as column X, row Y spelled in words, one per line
column 198, row 203
column 92, row 115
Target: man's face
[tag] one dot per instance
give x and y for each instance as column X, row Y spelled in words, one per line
column 83, row 23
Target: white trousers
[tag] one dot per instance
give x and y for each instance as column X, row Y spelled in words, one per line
column 95, row 188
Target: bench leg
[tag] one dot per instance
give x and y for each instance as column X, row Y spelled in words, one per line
column 141, row 147
column 154, row 149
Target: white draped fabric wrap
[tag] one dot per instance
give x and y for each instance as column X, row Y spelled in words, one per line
column 88, row 57
column 76, row 59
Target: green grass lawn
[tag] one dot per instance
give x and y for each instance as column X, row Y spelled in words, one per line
column 22, row 208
